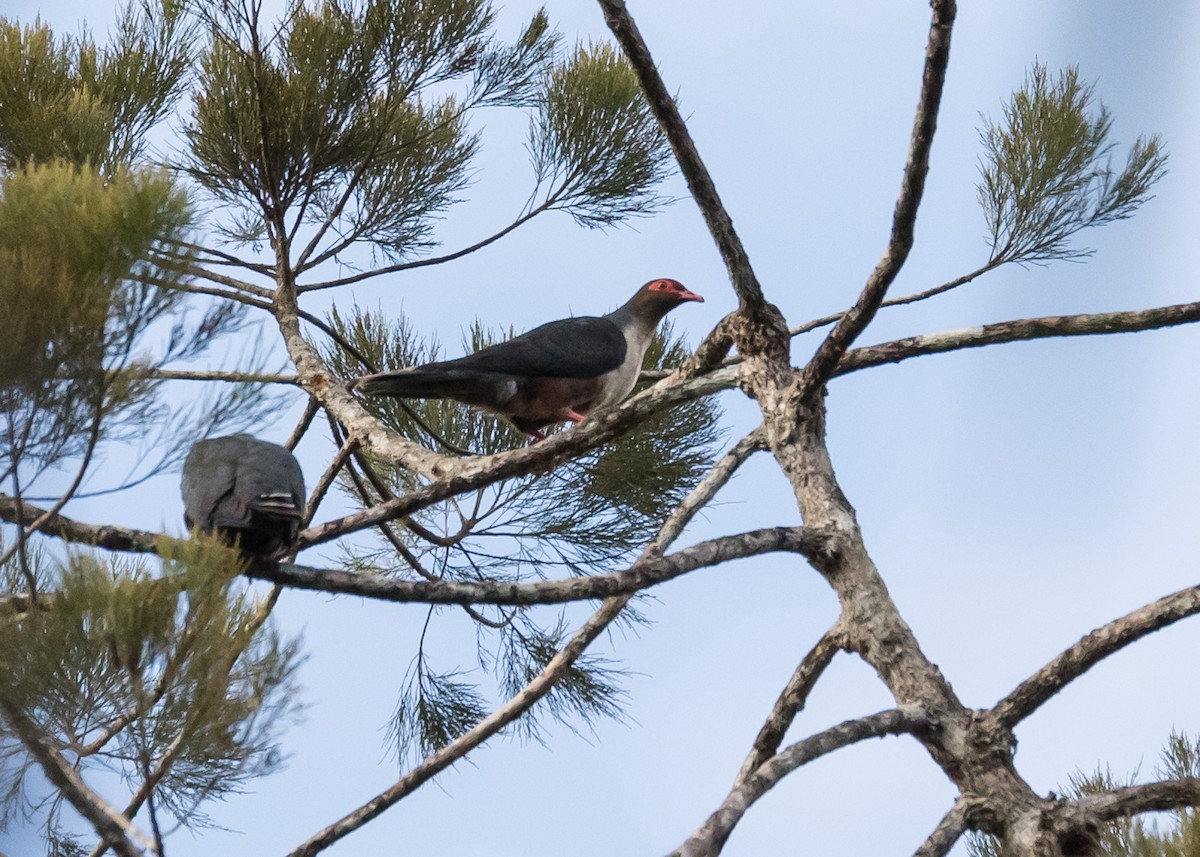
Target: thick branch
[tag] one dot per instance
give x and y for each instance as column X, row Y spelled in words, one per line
column 710, row 838
column 1085, row 324
column 104, row 536
column 646, row 572
column 1147, row 797
column 699, row 182
column 457, row 475
column 113, row 827
column 1089, row 651
column 854, row 322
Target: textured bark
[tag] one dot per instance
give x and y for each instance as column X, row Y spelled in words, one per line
column 710, row 838
column 904, row 218
column 646, row 572
column 111, row 538
column 1093, row 648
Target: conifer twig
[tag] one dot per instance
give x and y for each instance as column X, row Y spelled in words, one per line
column 113, row 827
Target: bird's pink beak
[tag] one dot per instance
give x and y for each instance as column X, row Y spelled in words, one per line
column 685, row 295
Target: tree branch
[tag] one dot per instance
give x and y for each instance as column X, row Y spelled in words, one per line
column 486, row 728
column 113, row 827
column 699, row 497
column 104, row 536
column 901, row 301
column 1032, row 693
column 1086, row 324
column 644, row 573
column 937, row 58
column 946, row 834
column 710, row 838
column 791, row 701
column 1147, row 797
column 699, row 182
column 233, row 377
column 419, row 263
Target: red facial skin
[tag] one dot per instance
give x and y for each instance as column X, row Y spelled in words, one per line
column 675, row 288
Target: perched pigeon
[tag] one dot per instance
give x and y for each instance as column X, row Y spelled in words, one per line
column 249, row 491
column 560, row 371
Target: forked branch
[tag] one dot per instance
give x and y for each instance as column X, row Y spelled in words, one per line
column 710, row 838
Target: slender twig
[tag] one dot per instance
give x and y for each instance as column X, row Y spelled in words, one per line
column 326, row 481
column 220, row 257
column 310, row 413
column 422, row 263
column 1036, row 690
column 791, row 701
column 946, row 834
column 89, row 450
column 217, row 375
column 937, row 58
column 113, row 827
column 710, row 837
column 902, row 301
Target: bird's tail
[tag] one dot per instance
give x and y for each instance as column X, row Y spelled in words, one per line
column 277, row 506
column 421, row 383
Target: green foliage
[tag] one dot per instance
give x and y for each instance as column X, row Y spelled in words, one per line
column 338, row 119
column 71, row 245
column 589, row 689
column 596, row 141
column 1133, row 837
column 434, row 709
column 175, row 674
column 68, row 99
column 586, row 516
column 1046, row 172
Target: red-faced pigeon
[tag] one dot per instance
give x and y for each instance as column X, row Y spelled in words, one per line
column 563, row 370
column 249, row 491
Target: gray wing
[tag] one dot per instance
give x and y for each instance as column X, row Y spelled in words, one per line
column 583, row 347
column 209, row 476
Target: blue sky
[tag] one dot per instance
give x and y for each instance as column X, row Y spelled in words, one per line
column 1014, row 497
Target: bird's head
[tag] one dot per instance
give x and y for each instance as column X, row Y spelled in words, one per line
column 659, row 297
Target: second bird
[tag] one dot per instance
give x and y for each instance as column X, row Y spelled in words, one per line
column 560, row 371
